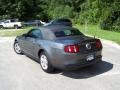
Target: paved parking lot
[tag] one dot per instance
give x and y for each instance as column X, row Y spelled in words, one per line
column 18, row 72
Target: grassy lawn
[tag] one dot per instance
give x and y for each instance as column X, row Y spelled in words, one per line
column 13, row 32
column 95, row 30
column 89, row 29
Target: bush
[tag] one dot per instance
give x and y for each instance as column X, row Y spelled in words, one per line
column 112, row 22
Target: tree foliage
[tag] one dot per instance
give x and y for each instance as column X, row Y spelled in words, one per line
column 103, row 12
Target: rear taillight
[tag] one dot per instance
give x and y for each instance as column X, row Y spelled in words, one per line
column 72, row 48
column 98, row 44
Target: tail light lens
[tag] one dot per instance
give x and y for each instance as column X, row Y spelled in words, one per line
column 72, row 48
column 98, row 44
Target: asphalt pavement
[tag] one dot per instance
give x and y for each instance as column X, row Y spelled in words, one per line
column 19, row 72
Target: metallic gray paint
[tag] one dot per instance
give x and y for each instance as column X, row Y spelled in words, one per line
column 54, row 47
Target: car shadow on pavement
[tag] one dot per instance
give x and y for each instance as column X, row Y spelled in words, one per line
column 89, row 71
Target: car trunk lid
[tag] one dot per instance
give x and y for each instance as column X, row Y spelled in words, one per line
column 86, row 44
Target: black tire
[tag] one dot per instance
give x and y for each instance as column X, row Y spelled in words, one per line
column 16, row 26
column 49, row 68
column 15, row 49
column 1, row 27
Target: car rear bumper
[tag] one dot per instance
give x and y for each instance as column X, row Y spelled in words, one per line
column 80, row 64
column 75, row 61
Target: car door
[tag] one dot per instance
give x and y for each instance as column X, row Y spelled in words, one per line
column 7, row 23
column 30, row 44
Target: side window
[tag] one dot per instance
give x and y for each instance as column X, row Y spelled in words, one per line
column 35, row 33
column 6, row 22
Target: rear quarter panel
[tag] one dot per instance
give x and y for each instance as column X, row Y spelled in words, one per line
column 53, row 49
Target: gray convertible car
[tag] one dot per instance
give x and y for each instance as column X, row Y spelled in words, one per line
column 58, row 46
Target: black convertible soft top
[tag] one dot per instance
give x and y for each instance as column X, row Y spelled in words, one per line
column 49, row 31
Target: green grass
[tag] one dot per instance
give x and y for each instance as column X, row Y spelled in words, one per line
column 95, row 30
column 13, row 32
column 90, row 30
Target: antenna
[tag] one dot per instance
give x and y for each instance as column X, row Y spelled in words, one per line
column 85, row 26
column 95, row 35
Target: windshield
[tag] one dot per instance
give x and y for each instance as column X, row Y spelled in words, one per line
column 67, row 32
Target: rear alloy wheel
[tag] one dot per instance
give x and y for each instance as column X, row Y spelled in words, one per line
column 45, row 64
column 17, row 48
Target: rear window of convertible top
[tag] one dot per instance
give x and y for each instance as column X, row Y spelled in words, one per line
column 67, row 32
